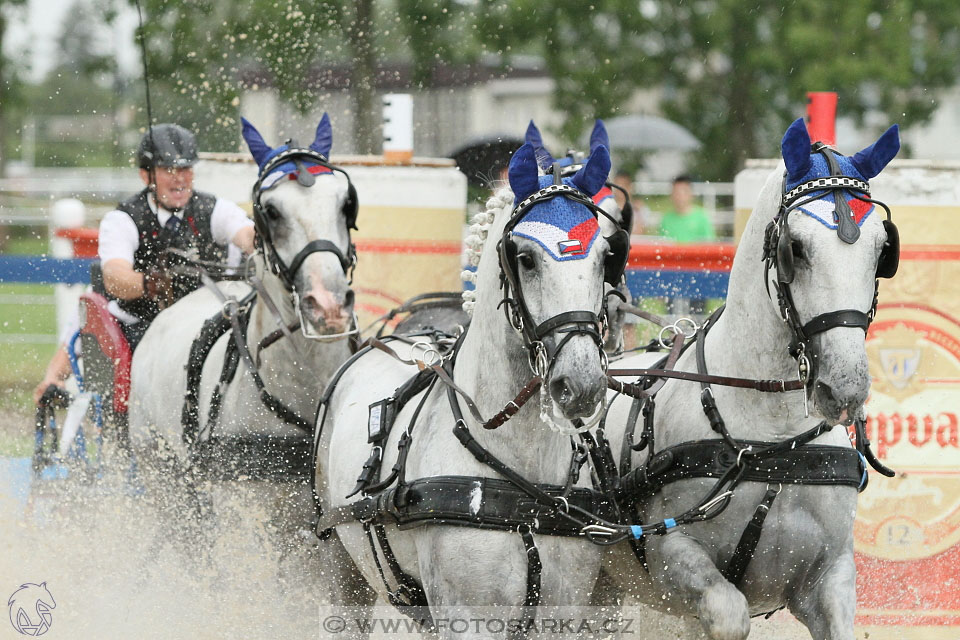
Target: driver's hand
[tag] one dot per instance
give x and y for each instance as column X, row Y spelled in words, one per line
column 158, row 286
column 43, row 386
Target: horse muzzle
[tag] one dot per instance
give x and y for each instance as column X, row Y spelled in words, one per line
column 323, row 316
column 577, row 397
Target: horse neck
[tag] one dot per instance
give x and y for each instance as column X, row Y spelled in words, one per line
column 748, row 341
column 492, row 368
column 294, row 369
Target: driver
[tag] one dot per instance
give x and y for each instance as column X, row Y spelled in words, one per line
column 168, row 213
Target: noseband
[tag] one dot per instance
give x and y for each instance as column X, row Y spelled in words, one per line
column 778, row 254
column 285, row 272
column 568, row 323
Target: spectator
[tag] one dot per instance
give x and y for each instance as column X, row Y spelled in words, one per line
column 685, row 221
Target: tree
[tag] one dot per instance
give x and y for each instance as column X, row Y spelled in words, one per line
column 740, row 71
column 9, row 82
column 735, row 72
column 593, row 51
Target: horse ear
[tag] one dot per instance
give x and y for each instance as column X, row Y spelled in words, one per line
column 871, row 161
column 593, row 174
column 796, row 150
column 523, row 175
column 258, row 148
column 324, row 138
column 599, row 136
column 533, row 138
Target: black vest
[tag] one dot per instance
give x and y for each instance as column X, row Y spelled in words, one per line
column 193, row 236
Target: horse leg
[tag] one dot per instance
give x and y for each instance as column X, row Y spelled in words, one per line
column 683, row 566
column 827, row 605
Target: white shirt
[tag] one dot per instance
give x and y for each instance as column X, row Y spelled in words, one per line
column 119, row 237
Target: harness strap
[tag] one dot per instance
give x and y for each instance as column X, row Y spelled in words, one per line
column 534, row 567
column 283, row 412
column 863, row 446
column 407, row 586
column 275, row 335
column 814, row 465
column 637, row 391
column 842, row 318
column 743, row 554
column 646, row 315
column 476, row 502
column 257, row 284
column 509, row 410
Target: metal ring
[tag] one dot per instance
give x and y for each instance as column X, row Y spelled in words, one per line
column 694, row 327
column 427, row 349
column 779, row 487
column 566, row 505
column 538, row 359
column 230, row 308
column 660, row 337
column 748, row 449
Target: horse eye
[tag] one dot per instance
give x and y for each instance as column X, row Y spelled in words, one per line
column 272, row 212
column 526, row 261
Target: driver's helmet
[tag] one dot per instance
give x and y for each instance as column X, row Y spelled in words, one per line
column 167, row 145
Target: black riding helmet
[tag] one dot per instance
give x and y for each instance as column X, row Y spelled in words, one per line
column 167, row 145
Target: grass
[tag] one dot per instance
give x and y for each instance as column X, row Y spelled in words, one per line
column 23, row 364
column 32, row 244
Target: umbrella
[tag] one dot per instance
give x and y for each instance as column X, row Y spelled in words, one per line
column 647, row 133
column 483, row 158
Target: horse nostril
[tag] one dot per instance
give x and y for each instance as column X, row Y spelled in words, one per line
column 348, row 299
column 562, row 390
column 825, row 391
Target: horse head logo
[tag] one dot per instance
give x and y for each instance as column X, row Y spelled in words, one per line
column 30, row 607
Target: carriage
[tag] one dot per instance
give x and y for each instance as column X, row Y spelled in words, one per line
column 506, row 474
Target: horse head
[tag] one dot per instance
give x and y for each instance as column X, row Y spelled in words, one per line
column 304, row 208
column 825, row 248
column 553, row 261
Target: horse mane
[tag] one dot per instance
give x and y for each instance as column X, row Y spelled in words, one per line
column 476, row 240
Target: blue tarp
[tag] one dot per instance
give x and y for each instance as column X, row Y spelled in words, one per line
column 44, row 269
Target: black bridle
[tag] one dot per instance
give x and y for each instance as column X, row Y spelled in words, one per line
column 569, row 323
column 261, row 216
column 778, row 254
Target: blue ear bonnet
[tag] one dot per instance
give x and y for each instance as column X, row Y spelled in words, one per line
column 263, row 154
column 565, row 229
column 820, row 169
column 822, row 209
column 288, row 169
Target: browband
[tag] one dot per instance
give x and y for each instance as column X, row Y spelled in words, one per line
column 821, row 184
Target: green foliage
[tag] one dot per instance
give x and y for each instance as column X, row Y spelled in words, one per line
column 593, row 51
column 739, row 72
column 734, row 72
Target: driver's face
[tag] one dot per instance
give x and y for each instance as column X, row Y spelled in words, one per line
column 174, row 186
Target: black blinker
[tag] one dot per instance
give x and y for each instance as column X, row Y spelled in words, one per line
column 890, row 254
column 616, row 262
column 785, row 268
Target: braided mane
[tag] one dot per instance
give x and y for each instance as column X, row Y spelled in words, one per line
column 477, row 238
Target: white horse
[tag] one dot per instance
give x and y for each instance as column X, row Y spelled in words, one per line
column 303, row 211
column 804, row 559
column 460, row 566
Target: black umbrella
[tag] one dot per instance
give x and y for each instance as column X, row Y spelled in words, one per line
column 482, row 159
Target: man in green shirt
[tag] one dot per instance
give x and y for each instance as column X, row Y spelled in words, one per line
column 685, row 221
